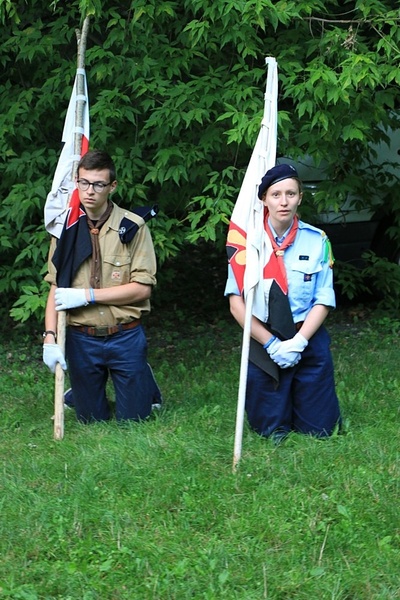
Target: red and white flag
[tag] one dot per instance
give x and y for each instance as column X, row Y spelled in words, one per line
column 63, row 192
column 248, row 247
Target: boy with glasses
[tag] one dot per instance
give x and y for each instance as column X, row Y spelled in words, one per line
column 102, row 271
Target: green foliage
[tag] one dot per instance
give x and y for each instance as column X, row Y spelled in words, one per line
column 385, row 276
column 176, row 96
column 350, row 280
column 31, row 302
column 210, row 219
column 377, row 277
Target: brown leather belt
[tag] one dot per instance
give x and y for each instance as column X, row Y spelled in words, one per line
column 104, row 331
column 299, row 325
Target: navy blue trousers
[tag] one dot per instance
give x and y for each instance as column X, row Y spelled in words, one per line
column 123, row 357
column 305, row 400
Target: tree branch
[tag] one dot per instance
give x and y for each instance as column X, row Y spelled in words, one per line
column 347, row 21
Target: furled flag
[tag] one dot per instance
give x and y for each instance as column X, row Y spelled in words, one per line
column 63, row 215
column 249, row 248
column 63, row 193
column 245, row 244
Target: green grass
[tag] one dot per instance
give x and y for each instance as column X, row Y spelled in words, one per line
column 153, row 510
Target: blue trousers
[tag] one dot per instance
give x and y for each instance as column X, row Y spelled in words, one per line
column 305, row 399
column 123, row 357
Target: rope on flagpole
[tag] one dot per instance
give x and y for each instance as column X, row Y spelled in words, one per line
column 81, row 39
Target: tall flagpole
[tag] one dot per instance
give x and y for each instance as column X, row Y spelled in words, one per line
column 81, row 38
column 262, row 159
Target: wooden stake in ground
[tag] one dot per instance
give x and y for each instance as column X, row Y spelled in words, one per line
column 59, row 380
column 81, row 38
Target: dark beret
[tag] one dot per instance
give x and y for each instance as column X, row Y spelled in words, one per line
column 277, row 173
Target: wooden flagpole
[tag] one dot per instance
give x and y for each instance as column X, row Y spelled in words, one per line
column 81, row 39
column 59, row 380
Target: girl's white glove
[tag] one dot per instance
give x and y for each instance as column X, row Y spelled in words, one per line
column 288, row 353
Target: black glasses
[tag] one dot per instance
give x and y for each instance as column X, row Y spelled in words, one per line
column 98, row 186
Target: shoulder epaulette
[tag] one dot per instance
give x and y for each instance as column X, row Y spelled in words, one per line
column 128, row 228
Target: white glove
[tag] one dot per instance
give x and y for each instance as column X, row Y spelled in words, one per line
column 288, row 353
column 70, row 298
column 52, row 355
column 272, row 344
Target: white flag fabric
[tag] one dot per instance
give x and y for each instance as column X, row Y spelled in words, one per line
column 248, row 246
column 63, row 187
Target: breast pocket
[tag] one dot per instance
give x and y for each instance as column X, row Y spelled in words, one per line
column 303, row 277
column 116, row 270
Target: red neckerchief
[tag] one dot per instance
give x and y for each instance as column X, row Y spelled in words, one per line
column 275, row 267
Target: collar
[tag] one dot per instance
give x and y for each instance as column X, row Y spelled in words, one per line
column 279, row 239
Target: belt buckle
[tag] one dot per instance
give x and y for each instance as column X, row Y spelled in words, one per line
column 101, row 331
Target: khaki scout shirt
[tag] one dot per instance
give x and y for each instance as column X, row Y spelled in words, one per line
column 120, row 264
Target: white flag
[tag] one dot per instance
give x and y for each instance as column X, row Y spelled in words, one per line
column 63, row 189
column 247, row 246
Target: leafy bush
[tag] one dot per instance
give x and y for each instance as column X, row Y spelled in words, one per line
column 176, row 96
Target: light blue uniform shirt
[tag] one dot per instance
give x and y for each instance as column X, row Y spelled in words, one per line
column 308, row 270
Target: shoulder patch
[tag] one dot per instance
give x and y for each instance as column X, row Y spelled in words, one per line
column 127, row 230
column 328, row 253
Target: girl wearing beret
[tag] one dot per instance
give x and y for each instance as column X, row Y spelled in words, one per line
column 290, row 382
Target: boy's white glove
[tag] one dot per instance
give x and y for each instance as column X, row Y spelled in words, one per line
column 52, row 355
column 70, row 298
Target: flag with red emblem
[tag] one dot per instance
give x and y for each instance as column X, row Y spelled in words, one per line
column 63, row 215
column 247, row 246
column 63, row 196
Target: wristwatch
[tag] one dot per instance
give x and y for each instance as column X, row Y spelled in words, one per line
column 49, row 332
